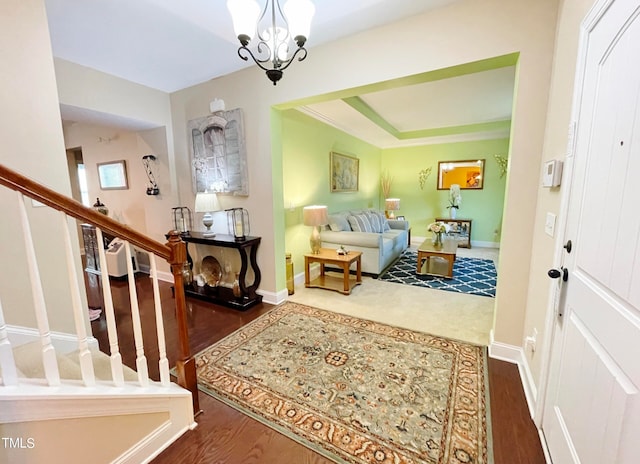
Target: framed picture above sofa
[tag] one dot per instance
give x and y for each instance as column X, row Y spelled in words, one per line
column 344, row 172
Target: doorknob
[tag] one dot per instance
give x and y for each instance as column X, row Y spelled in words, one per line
column 568, row 246
column 555, row 273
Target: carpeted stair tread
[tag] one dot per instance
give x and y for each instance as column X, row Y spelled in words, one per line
column 28, row 360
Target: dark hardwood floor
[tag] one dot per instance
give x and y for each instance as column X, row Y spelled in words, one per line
column 225, row 436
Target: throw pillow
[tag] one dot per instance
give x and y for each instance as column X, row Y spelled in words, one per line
column 360, row 223
column 338, row 222
column 376, row 223
column 383, row 221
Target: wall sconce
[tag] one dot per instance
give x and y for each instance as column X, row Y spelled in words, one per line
column 152, row 188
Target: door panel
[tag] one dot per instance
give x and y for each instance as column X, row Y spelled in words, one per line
column 592, row 404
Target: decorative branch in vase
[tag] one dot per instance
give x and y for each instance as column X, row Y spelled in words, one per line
column 385, row 184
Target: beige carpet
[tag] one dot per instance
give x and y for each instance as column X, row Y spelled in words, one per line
column 462, row 317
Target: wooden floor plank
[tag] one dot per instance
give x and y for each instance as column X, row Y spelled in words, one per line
column 226, row 436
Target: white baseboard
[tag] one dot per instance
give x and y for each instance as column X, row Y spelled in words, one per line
column 274, row 298
column 163, row 276
column 515, row 355
column 481, row 244
column 62, row 342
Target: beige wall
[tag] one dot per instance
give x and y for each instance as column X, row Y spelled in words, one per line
column 463, row 32
column 150, row 215
column 571, row 14
column 32, row 143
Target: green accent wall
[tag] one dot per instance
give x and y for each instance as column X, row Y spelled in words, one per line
column 422, row 206
column 306, row 144
column 306, row 147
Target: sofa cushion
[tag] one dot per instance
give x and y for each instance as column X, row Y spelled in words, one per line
column 383, row 220
column 397, row 236
column 387, row 246
column 338, row 222
column 376, row 222
column 360, row 223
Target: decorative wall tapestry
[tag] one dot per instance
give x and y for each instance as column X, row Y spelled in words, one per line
column 218, row 153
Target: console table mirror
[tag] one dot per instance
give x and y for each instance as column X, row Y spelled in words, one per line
column 459, row 230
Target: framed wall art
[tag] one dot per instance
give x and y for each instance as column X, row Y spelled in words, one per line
column 113, row 175
column 467, row 174
column 218, row 153
column 344, row 173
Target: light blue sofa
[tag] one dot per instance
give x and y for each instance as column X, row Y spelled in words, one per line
column 380, row 240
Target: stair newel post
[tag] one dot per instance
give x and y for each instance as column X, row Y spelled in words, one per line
column 79, row 313
column 186, row 364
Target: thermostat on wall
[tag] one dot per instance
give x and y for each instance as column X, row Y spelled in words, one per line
column 552, row 175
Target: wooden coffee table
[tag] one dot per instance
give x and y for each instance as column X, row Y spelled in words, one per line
column 446, row 251
column 342, row 284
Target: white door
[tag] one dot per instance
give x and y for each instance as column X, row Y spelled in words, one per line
column 592, row 405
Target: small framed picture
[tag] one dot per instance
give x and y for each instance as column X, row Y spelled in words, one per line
column 113, row 175
column 400, row 218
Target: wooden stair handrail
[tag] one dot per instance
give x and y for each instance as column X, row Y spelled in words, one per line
column 73, row 208
column 174, row 252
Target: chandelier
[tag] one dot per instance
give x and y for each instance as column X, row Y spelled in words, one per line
column 276, row 32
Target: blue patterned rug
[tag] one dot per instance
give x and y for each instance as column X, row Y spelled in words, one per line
column 475, row 276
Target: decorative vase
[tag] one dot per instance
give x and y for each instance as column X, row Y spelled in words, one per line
column 237, row 292
column 100, row 207
column 437, row 239
column 453, row 211
column 187, row 275
column 289, row 267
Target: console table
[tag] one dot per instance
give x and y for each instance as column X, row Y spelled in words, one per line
column 247, row 249
column 460, row 230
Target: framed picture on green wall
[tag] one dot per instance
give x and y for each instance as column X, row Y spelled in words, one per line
column 344, row 173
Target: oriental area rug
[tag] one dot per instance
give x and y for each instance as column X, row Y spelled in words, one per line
column 354, row 390
column 474, row 276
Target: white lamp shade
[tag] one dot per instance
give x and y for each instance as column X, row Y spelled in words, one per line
column 315, row 215
column 244, row 14
column 392, row 204
column 207, row 202
column 299, row 14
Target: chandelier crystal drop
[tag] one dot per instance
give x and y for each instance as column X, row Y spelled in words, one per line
column 280, row 36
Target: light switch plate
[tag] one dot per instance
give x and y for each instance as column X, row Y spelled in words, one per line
column 550, row 224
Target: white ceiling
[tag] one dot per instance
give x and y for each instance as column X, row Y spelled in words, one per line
column 173, row 44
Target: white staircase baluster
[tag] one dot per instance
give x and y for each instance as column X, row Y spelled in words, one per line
column 7, row 362
column 49, row 361
column 80, row 314
column 163, row 363
column 117, row 372
column 141, row 360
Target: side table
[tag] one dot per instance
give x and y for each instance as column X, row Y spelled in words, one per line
column 329, row 256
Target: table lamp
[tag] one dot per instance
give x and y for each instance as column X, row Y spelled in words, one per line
column 315, row 216
column 207, row 203
column 391, row 205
